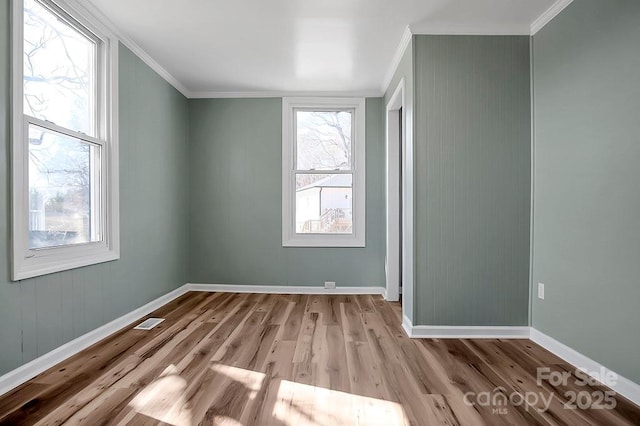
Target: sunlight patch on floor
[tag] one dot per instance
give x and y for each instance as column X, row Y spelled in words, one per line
column 251, row 380
column 164, row 399
column 287, row 403
column 300, row 404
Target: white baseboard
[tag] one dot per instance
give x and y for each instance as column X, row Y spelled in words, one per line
column 407, row 326
column 283, row 289
column 31, row 369
column 623, row 386
column 14, row 378
column 463, row 332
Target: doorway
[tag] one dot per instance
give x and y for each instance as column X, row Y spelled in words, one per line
column 395, row 147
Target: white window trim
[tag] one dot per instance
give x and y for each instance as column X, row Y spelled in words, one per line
column 289, row 237
column 31, row 263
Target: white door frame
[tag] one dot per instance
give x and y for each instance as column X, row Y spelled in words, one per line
column 393, row 147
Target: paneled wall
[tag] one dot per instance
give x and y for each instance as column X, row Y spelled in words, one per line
column 201, row 193
column 40, row 314
column 586, row 241
column 235, row 225
column 472, row 177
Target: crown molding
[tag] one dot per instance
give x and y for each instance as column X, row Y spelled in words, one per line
column 536, row 26
column 397, row 57
column 283, row 94
column 134, row 47
column 443, row 30
column 469, row 30
column 548, row 15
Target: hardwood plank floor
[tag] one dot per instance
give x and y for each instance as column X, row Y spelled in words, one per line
column 255, row 359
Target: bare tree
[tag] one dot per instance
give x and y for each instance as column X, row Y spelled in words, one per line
column 69, row 78
column 324, row 143
column 57, row 81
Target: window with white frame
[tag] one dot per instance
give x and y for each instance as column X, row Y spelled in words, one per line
column 64, row 128
column 323, row 179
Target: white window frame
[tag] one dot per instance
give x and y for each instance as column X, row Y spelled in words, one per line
column 28, row 262
column 289, row 236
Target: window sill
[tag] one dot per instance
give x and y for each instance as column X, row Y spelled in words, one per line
column 62, row 259
column 323, row 241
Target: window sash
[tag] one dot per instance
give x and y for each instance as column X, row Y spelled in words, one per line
column 294, row 118
column 324, row 172
column 96, row 95
column 294, row 205
column 62, row 130
column 98, row 204
column 28, row 263
column 291, row 238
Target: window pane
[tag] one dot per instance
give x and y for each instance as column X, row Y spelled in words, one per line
column 324, row 204
column 323, row 140
column 59, row 70
column 63, row 189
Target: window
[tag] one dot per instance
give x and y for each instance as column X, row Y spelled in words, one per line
column 323, row 179
column 65, row 151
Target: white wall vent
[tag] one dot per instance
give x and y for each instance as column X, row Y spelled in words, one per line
column 148, row 324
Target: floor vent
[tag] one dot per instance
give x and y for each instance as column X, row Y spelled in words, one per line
column 148, row 324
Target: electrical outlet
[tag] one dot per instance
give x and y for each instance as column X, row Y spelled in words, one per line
column 541, row 291
column 329, row 284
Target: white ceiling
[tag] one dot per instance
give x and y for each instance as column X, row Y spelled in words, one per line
column 298, row 45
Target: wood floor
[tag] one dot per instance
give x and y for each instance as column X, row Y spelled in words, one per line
column 248, row 359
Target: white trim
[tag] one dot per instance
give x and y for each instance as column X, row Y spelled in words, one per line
column 469, row 332
column 548, row 15
column 358, row 170
column 397, row 57
column 26, row 372
column 463, row 332
column 408, row 225
column 624, row 386
column 20, row 375
column 282, row 94
column 409, row 31
column 393, row 148
column 532, row 174
column 282, row 289
column 540, row 22
column 27, row 263
column 407, row 326
column 439, row 29
column 47, row 125
column 135, row 48
column 31, row 369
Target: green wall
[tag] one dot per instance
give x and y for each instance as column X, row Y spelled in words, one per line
column 203, row 178
column 472, row 206
column 235, row 209
column 586, row 240
column 42, row 313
